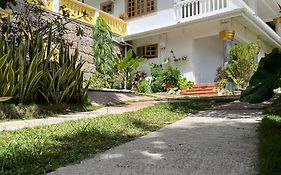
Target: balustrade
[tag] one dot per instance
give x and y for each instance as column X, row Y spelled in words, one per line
column 189, row 8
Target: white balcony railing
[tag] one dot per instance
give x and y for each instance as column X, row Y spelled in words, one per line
column 190, row 8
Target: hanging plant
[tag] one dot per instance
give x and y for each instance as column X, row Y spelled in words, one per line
column 166, row 60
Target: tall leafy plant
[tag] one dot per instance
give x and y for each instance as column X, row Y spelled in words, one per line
column 242, row 66
column 21, row 72
column 33, row 73
column 265, row 79
column 103, row 48
column 127, row 67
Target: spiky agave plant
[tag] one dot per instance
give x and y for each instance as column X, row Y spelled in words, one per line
column 64, row 79
column 30, row 72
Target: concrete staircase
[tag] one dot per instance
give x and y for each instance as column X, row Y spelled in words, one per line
column 202, row 89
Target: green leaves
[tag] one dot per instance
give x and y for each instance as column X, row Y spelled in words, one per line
column 242, row 66
column 32, row 73
column 105, row 55
column 5, row 3
column 127, row 67
column 2, row 99
column 161, row 77
column 264, row 80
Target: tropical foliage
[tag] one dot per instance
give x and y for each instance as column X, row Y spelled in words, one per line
column 184, row 83
column 241, row 67
column 5, row 3
column 35, row 71
column 265, row 79
column 164, row 78
column 112, row 71
column 103, row 49
column 127, row 67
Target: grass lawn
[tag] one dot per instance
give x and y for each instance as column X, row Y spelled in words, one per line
column 16, row 112
column 270, row 145
column 44, row 149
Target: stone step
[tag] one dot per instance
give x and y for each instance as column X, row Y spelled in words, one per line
column 203, row 89
column 199, row 92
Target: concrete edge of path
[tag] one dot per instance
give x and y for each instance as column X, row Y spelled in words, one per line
column 119, row 109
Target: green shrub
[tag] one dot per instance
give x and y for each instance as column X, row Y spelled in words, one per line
column 144, row 87
column 162, row 78
column 127, row 68
column 265, row 80
column 184, row 83
column 113, row 71
column 171, row 75
column 157, row 83
column 31, row 71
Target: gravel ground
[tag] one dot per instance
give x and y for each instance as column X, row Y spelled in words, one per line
column 217, row 142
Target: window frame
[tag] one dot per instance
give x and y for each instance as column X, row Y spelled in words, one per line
column 107, row 3
column 146, row 12
column 145, row 49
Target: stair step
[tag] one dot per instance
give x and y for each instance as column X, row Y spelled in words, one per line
column 199, row 92
column 203, row 89
column 200, row 89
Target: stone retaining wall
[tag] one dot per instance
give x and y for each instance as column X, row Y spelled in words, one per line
column 84, row 43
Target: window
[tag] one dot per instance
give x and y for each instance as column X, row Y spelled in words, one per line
column 107, row 7
column 140, row 7
column 150, row 51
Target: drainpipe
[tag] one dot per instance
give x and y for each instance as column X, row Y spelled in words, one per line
column 126, row 44
column 126, row 50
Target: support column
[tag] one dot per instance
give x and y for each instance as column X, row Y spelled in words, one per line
column 277, row 22
column 227, row 36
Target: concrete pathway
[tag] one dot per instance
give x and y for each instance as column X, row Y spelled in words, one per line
column 214, row 142
column 20, row 124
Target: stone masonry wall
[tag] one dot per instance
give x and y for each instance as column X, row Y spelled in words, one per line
column 84, row 43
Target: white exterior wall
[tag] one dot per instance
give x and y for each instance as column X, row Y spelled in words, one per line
column 119, row 5
column 207, row 57
column 164, row 16
column 201, row 45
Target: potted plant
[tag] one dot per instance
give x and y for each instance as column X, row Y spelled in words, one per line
column 123, row 16
column 184, row 84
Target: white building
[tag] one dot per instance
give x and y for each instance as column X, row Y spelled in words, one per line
column 200, row 30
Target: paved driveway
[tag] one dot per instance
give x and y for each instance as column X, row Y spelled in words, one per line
column 218, row 142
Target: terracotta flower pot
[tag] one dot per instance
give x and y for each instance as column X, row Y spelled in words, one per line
column 168, row 85
column 183, row 90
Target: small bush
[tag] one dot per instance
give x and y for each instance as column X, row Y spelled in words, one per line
column 164, row 79
column 144, row 87
column 184, row 83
